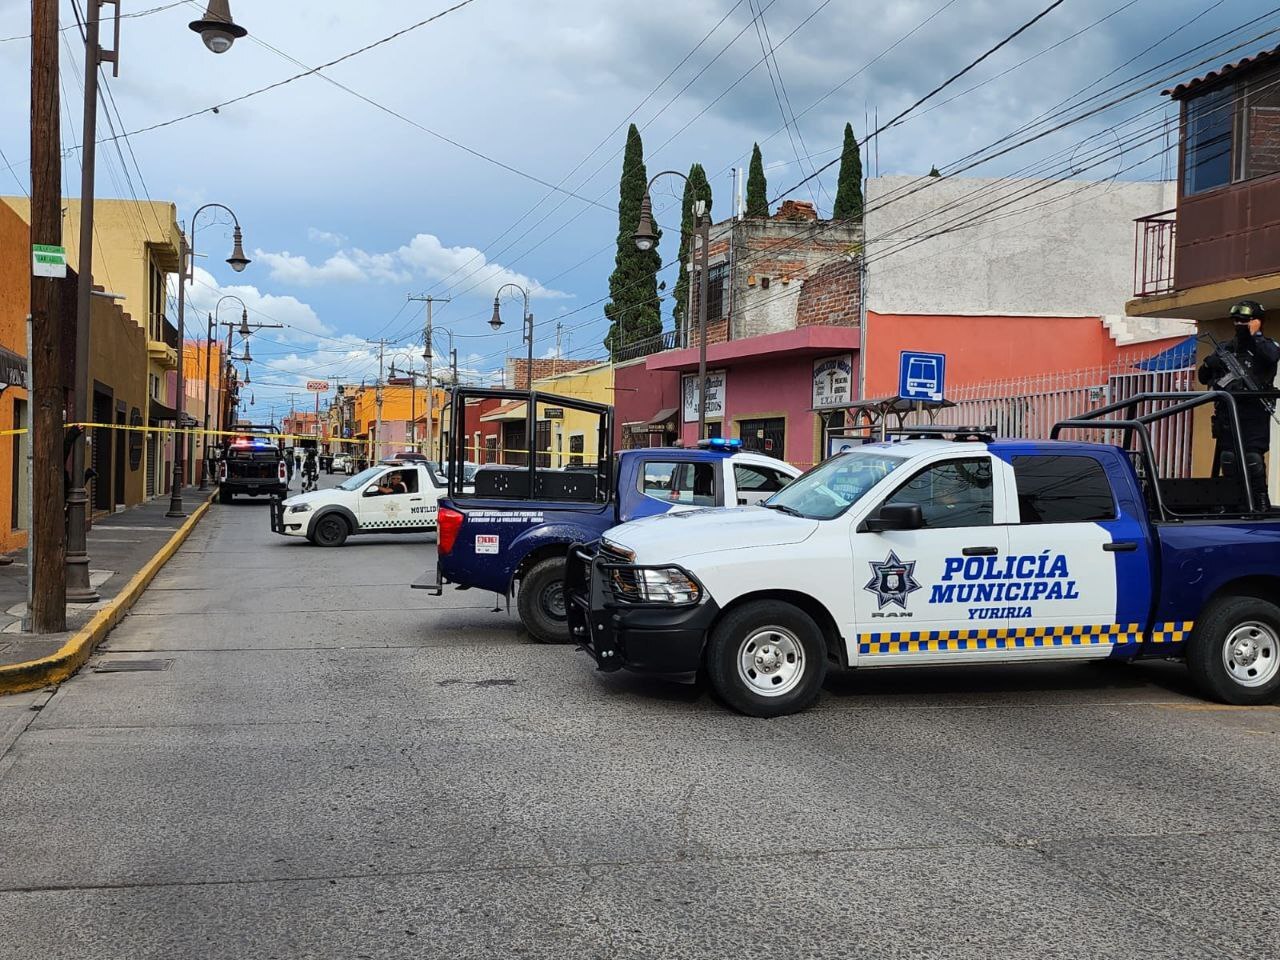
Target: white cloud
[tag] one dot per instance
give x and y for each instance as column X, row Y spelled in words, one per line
column 468, row 267
column 423, row 257
column 345, row 266
column 316, row 235
column 300, row 320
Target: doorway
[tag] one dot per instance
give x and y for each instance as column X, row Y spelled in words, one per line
column 100, row 458
column 21, row 499
column 120, row 445
column 767, row 435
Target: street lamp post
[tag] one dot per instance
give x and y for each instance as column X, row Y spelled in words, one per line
column 244, row 328
column 218, row 31
column 186, row 271
column 496, row 323
column 646, row 237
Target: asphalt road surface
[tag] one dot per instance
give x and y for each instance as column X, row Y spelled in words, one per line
column 335, row 766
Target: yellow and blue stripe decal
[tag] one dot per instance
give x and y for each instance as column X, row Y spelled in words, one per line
column 1018, row 638
column 1170, row 633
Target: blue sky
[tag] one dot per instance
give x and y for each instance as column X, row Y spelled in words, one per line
column 348, row 209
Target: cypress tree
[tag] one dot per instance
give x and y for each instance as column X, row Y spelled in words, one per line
column 757, row 186
column 633, row 286
column 849, row 186
column 697, row 188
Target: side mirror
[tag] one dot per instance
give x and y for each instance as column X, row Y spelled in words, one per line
column 371, row 490
column 895, row 516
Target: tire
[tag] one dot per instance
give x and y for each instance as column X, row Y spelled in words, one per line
column 330, row 530
column 225, row 496
column 541, row 602
column 1234, row 651
column 767, row 658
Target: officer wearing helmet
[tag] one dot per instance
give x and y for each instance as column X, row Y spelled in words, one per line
column 1256, row 357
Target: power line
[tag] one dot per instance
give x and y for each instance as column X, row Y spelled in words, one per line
column 942, row 86
column 318, row 71
column 548, row 236
column 123, row 16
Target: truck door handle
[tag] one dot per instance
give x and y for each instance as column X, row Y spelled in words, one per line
column 415, row 498
column 980, row 551
column 1121, row 546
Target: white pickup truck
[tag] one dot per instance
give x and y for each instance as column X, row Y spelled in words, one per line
column 393, row 496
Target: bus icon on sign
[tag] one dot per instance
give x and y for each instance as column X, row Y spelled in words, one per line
column 922, row 376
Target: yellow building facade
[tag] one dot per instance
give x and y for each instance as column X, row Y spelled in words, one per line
column 575, row 436
column 136, row 248
column 404, row 408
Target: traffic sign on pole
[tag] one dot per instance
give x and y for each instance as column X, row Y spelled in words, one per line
column 922, row 376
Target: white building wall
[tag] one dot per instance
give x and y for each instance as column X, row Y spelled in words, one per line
column 1011, row 247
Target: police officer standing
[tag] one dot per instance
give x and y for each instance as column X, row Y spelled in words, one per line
column 1249, row 366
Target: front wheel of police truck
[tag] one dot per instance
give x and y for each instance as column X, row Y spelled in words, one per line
column 767, row 658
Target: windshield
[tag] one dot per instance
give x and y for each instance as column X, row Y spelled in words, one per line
column 360, row 479
column 831, row 488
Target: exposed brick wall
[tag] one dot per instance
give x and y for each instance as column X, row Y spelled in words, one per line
column 518, row 369
column 830, row 297
column 796, row 210
column 1264, row 141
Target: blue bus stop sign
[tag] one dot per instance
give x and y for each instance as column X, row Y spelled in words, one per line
column 922, row 376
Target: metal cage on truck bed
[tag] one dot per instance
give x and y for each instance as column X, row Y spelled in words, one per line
column 1177, row 498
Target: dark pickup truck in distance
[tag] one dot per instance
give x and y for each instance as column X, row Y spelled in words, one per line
column 253, row 464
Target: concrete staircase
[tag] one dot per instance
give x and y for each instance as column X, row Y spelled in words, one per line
column 1130, row 330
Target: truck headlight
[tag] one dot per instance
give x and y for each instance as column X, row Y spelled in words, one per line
column 656, row 585
column 300, row 508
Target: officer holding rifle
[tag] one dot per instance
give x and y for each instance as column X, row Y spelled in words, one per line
column 1245, row 365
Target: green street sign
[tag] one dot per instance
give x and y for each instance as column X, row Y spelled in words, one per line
column 48, row 261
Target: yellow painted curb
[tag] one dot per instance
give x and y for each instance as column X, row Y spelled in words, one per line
column 60, row 665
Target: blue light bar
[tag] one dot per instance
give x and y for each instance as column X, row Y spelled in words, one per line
column 720, row 444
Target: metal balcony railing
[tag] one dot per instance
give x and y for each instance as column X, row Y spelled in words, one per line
column 668, row 340
column 1153, row 260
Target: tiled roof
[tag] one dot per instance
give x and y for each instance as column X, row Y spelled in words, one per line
column 1215, row 77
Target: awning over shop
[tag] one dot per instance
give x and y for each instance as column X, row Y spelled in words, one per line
column 815, row 341
column 660, row 419
column 511, row 410
column 159, row 413
column 1178, row 357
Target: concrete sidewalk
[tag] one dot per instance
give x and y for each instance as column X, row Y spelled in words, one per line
column 120, row 546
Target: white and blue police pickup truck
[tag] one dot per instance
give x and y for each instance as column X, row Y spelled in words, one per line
column 394, row 496
column 931, row 551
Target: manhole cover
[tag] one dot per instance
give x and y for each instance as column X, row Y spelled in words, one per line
column 131, row 666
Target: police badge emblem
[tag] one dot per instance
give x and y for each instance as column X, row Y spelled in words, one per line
column 892, row 581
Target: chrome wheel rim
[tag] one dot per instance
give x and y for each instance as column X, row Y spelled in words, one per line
column 1251, row 654
column 771, row 661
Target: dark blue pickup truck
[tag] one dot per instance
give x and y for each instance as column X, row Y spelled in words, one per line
column 510, row 529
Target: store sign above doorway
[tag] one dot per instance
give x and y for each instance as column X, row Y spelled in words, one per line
column 48, row 261
column 715, row 395
column 833, row 381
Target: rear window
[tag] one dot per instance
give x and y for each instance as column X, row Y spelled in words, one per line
column 689, row 483
column 1054, row 489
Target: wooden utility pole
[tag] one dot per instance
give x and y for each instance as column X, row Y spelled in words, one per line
column 48, row 524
